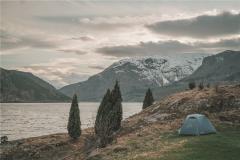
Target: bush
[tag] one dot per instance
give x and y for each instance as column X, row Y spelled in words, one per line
column 216, row 88
column 74, row 123
column 208, row 85
column 201, row 86
column 191, row 85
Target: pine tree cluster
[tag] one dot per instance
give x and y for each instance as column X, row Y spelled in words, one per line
column 74, row 123
column 191, row 85
column 148, row 100
column 109, row 116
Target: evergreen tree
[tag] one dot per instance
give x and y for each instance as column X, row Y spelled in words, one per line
column 102, row 111
column 116, row 93
column 109, row 116
column 74, row 123
column 148, row 100
column 116, row 99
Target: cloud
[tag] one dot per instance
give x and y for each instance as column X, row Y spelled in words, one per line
column 76, row 51
column 59, row 73
column 228, row 44
column 169, row 47
column 94, row 24
column 11, row 41
column 84, row 38
column 98, row 67
column 64, row 71
column 203, row 26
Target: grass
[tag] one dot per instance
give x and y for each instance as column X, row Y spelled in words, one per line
column 225, row 145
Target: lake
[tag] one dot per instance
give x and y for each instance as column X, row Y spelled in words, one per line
column 23, row 120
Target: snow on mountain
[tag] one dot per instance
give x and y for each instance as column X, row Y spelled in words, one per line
column 160, row 70
column 135, row 75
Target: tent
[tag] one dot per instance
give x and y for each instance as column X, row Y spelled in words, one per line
column 196, row 124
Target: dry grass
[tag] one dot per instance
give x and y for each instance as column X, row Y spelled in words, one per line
column 150, row 134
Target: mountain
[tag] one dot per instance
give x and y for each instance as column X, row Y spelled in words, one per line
column 221, row 68
column 17, row 86
column 136, row 75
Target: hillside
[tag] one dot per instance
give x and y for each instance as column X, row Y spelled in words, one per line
column 218, row 68
column 17, row 86
column 136, row 75
column 152, row 133
column 222, row 68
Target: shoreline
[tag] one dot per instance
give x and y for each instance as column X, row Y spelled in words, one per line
column 151, row 133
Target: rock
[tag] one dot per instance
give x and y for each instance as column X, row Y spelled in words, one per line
column 94, row 155
column 233, row 117
column 120, row 149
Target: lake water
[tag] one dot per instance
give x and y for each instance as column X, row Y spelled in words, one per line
column 23, row 120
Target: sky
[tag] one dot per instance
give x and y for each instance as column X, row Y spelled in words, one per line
column 67, row 41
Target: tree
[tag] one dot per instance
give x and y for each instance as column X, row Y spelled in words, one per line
column 116, row 99
column 148, row 100
column 191, row 85
column 109, row 116
column 74, row 123
column 102, row 111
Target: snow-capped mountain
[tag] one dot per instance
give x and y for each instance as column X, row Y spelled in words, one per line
column 136, row 75
column 159, row 70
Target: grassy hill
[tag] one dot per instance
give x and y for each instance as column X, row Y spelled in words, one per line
column 152, row 133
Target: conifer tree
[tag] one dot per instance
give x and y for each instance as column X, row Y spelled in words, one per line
column 102, row 111
column 116, row 99
column 109, row 116
column 148, row 100
column 74, row 123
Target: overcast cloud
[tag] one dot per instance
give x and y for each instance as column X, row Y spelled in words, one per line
column 204, row 26
column 13, row 41
column 170, row 47
column 69, row 40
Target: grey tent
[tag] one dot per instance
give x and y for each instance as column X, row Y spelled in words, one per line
column 196, row 124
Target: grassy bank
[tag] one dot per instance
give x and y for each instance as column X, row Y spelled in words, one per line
column 225, row 145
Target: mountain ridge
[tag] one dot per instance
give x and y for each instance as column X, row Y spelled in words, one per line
column 211, row 72
column 18, row 86
column 135, row 76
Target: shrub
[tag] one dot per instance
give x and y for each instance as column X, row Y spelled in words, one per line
column 208, row 85
column 191, row 85
column 200, row 86
column 216, row 88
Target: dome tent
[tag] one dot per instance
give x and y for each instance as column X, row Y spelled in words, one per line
column 196, row 124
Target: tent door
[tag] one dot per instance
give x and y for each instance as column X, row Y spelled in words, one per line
column 194, row 125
